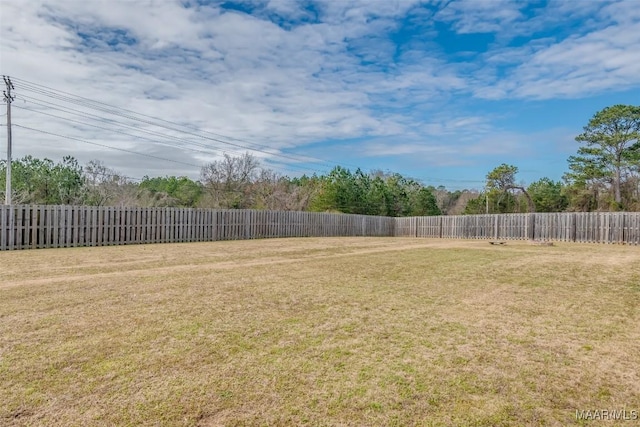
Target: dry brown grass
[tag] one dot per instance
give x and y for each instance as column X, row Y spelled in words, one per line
column 360, row 331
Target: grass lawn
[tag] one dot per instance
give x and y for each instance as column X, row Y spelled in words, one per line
column 332, row 331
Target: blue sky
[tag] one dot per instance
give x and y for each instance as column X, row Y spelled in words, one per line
column 442, row 91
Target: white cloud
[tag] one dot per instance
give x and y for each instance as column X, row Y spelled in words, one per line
column 289, row 76
column 603, row 59
column 224, row 71
column 481, row 16
column 508, row 19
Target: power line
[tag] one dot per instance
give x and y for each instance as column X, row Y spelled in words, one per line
column 108, row 108
column 110, row 129
column 106, row 146
column 84, row 114
column 114, row 174
column 36, row 86
column 103, row 120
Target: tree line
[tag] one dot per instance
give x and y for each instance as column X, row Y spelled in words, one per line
column 604, row 175
column 230, row 183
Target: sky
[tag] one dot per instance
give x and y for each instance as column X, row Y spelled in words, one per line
column 440, row 91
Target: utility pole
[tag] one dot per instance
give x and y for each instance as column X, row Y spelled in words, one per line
column 8, row 98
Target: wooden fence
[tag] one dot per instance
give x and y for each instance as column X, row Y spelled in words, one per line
column 27, row 227
column 31, row 227
column 587, row 227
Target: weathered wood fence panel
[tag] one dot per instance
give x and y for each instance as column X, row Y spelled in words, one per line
column 25, row 227
column 587, row 227
column 30, row 227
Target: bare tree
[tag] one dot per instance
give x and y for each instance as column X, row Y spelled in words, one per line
column 228, row 181
column 106, row 187
column 276, row 192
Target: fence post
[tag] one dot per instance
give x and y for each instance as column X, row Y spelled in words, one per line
column 3, row 229
column 532, row 226
column 247, row 224
column 11, row 244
